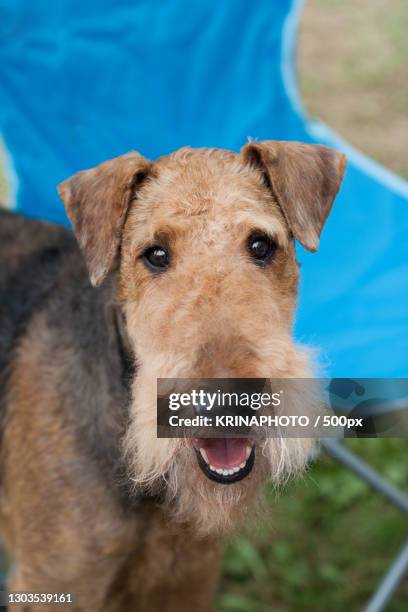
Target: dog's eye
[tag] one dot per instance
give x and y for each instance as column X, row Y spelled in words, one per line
column 261, row 248
column 156, row 258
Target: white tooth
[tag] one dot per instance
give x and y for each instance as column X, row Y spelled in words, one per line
column 220, row 472
column 248, row 450
column 204, row 455
column 212, row 468
column 243, row 464
column 226, row 472
column 230, row 472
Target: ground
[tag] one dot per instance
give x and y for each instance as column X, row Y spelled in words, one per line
column 327, row 545
column 331, row 538
column 353, row 73
column 4, row 188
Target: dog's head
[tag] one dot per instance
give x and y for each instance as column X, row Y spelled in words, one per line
column 203, row 243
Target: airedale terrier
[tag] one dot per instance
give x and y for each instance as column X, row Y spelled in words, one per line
column 186, row 268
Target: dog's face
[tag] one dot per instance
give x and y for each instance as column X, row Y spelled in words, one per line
column 208, row 282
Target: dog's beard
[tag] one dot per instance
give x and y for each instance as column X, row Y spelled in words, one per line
column 168, row 467
column 221, row 508
column 190, row 497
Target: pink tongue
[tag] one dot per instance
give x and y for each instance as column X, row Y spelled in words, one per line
column 223, row 452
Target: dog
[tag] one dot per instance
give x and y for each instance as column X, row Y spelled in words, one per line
column 184, row 267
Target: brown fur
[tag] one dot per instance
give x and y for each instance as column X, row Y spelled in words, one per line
column 92, row 502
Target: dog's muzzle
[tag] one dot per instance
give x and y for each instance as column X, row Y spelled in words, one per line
column 225, row 460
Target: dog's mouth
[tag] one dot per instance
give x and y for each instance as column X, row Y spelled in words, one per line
column 225, row 460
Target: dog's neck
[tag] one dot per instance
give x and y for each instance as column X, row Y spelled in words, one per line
column 126, row 354
column 115, row 322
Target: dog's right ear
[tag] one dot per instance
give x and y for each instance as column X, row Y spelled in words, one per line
column 304, row 179
column 96, row 202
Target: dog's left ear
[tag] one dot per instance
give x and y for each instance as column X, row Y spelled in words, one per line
column 304, row 180
column 96, row 202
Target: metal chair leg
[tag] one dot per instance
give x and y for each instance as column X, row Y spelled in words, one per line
column 390, row 582
column 400, row 499
column 362, row 469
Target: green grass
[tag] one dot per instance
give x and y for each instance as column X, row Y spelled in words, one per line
column 329, row 542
